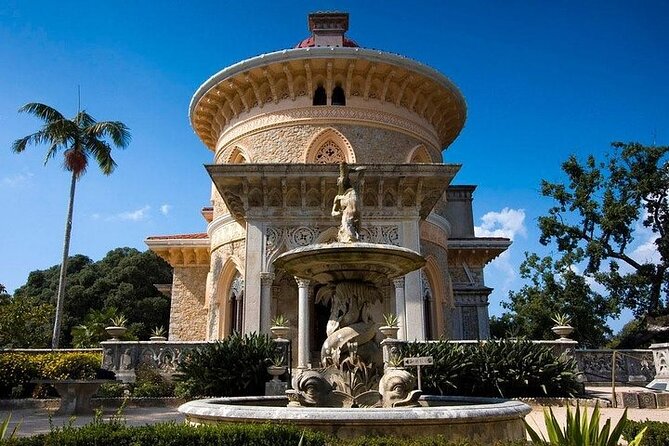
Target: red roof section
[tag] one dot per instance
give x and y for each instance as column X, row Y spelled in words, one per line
column 310, row 42
column 199, row 235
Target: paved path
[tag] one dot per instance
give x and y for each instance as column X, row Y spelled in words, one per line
column 35, row 421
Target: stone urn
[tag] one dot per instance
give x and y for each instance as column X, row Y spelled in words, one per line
column 276, row 371
column 115, row 332
column 390, row 332
column 158, row 338
column 280, row 331
column 563, row 331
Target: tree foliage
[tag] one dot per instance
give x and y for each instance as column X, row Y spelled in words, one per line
column 124, row 279
column 596, row 214
column 553, row 288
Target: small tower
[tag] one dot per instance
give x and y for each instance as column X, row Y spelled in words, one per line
column 328, row 28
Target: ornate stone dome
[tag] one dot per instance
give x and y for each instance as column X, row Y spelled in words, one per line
column 327, row 80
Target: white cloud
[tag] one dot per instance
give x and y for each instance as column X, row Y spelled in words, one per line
column 646, row 251
column 136, row 215
column 506, row 223
column 18, row 179
column 165, row 209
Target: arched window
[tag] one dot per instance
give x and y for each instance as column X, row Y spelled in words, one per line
column 329, row 153
column 320, row 97
column 428, row 302
column 338, row 96
column 236, row 298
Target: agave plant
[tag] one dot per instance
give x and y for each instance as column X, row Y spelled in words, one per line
column 119, row 321
column 280, row 321
column 561, row 319
column 578, row 430
column 390, row 319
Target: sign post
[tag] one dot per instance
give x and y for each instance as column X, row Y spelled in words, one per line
column 418, row 361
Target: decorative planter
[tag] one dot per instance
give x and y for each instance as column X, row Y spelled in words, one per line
column 563, row 331
column 389, row 332
column 115, row 332
column 276, row 371
column 158, row 338
column 279, row 331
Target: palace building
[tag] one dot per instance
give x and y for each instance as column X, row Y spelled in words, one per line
column 277, row 125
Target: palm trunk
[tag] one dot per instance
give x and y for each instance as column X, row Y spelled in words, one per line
column 58, row 320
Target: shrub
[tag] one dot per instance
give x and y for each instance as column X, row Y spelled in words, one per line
column 18, row 369
column 111, row 390
column 235, row 366
column 657, row 432
column 496, row 369
column 149, row 383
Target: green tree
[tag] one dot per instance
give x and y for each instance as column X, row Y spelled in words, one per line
column 554, row 288
column 80, row 138
column 24, row 322
column 595, row 216
column 123, row 279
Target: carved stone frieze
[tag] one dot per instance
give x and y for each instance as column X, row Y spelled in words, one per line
column 330, row 114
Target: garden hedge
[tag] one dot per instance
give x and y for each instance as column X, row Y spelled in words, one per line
column 17, row 369
column 172, row 434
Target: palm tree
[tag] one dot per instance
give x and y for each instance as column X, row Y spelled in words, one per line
column 79, row 138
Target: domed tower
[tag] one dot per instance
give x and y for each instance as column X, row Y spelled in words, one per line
column 278, row 124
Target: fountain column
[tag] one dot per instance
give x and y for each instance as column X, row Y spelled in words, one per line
column 400, row 308
column 302, row 322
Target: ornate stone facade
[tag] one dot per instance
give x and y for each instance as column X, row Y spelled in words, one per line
column 277, row 125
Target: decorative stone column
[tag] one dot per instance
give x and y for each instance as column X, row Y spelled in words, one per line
column 266, row 280
column 400, row 308
column 302, row 322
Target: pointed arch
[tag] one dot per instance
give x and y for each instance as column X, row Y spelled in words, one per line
column 227, row 285
column 419, row 155
column 238, row 155
column 329, row 146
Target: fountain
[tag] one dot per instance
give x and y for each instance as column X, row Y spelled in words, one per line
column 354, row 393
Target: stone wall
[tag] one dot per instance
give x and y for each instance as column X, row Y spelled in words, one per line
column 188, row 313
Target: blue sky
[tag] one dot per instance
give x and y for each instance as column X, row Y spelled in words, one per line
column 542, row 80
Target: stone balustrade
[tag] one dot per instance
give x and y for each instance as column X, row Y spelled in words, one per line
column 123, row 357
column 631, row 366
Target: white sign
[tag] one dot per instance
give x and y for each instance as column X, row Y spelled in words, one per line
column 419, row 360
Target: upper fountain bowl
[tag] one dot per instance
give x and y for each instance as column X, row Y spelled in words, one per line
column 333, row 262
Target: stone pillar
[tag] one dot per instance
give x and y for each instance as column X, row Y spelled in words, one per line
column 413, row 287
column 254, row 261
column 302, row 322
column 661, row 361
column 266, row 280
column 400, row 308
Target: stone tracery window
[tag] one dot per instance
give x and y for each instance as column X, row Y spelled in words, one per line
column 329, row 153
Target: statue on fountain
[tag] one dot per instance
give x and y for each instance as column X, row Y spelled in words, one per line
column 347, row 204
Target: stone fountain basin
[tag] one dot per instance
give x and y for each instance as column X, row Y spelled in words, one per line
column 328, row 262
column 486, row 420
